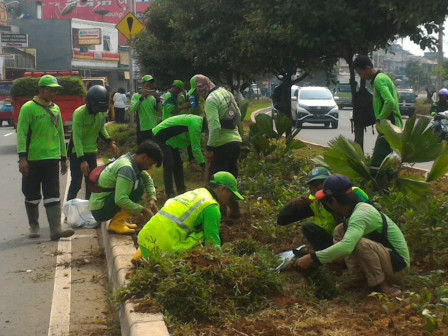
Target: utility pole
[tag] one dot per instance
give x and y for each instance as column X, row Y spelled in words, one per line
column 133, row 10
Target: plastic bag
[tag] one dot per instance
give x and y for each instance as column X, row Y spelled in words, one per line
column 78, row 214
column 288, row 257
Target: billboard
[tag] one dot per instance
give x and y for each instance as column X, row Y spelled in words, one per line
column 90, row 36
column 110, row 11
column 14, row 40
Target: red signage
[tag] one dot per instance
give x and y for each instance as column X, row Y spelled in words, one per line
column 111, row 11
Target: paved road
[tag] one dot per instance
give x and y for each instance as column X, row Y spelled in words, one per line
column 32, row 302
column 25, row 295
column 317, row 134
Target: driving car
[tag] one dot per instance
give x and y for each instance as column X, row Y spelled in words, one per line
column 406, row 101
column 313, row 104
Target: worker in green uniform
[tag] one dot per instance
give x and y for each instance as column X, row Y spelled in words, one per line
column 41, row 147
column 224, row 140
column 122, row 184
column 372, row 245
column 190, row 219
column 385, row 104
column 174, row 102
column 145, row 105
column 319, row 232
column 88, row 123
column 173, row 134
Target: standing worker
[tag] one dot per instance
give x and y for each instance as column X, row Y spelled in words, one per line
column 145, row 105
column 41, row 147
column 120, row 99
column 122, row 184
column 174, row 102
column 173, row 134
column 224, row 140
column 385, row 104
column 88, row 124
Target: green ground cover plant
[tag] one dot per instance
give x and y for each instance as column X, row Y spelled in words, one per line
column 204, row 292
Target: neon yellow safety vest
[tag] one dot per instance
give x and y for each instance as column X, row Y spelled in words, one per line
column 175, row 227
column 322, row 217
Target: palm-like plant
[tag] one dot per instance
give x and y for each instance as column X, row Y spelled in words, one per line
column 267, row 128
column 417, row 142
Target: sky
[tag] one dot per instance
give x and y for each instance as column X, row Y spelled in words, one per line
column 415, row 49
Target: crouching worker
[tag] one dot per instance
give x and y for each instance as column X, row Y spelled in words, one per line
column 190, row 219
column 318, row 232
column 372, row 245
column 122, row 184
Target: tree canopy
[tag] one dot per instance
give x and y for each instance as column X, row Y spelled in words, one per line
column 233, row 41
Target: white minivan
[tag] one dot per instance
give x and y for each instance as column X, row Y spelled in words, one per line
column 313, row 104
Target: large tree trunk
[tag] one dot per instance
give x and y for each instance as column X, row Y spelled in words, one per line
column 357, row 129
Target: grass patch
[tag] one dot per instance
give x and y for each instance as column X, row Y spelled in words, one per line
column 255, row 105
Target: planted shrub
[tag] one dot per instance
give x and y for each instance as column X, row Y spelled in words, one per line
column 205, row 285
column 27, row 87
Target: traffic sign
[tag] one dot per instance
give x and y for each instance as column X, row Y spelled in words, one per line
column 130, row 26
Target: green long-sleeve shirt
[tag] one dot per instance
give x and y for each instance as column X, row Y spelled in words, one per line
column 146, row 111
column 181, row 131
column 86, row 128
column 364, row 220
column 46, row 141
column 123, row 176
column 216, row 106
column 385, row 100
column 171, row 103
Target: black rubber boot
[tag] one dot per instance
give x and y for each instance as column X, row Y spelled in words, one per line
column 32, row 211
column 54, row 220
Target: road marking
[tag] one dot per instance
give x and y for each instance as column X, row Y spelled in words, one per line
column 60, row 305
column 8, row 134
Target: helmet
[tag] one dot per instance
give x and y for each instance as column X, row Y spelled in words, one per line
column 97, row 99
column 443, row 92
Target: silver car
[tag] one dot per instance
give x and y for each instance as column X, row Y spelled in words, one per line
column 313, row 104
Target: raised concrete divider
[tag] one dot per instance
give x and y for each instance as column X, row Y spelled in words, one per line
column 119, row 251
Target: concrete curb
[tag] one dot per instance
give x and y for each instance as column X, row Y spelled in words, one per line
column 119, row 252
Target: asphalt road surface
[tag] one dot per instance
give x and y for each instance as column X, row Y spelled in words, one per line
column 46, row 287
column 315, row 133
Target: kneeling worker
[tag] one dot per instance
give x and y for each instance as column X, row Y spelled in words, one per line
column 372, row 245
column 190, row 219
column 122, row 184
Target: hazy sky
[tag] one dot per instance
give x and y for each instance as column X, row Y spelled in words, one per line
column 415, row 49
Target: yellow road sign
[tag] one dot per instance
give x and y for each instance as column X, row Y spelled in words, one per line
column 130, row 26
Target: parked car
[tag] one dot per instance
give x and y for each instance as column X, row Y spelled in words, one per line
column 407, row 101
column 344, row 92
column 313, row 104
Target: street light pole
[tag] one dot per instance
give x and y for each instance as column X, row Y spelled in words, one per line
column 133, row 10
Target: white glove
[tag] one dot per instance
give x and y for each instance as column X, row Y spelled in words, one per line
column 288, row 257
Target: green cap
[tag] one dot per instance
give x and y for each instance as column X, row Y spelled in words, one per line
column 193, row 86
column 179, row 84
column 227, row 180
column 318, row 173
column 147, row 78
column 49, row 80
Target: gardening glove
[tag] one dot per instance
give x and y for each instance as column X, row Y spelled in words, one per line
column 288, row 257
column 439, row 117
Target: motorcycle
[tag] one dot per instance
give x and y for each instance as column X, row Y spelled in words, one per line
column 440, row 124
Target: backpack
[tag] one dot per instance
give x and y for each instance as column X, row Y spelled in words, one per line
column 230, row 119
column 94, row 176
column 363, row 113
